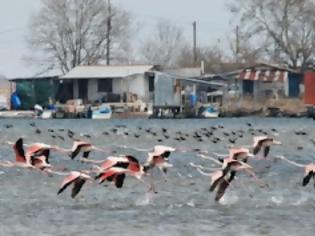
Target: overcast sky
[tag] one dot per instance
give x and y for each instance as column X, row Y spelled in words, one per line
column 211, row 16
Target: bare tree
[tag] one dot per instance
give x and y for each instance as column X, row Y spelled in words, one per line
column 164, row 45
column 214, row 58
column 243, row 49
column 284, row 27
column 68, row 33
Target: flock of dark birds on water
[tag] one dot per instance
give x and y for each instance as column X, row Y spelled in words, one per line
column 115, row 168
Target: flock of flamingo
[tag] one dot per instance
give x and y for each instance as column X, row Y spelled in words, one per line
column 116, row 168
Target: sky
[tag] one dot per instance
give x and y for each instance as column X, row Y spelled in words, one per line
column 212, row 17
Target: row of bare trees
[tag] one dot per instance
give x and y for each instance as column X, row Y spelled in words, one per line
column 67, row 33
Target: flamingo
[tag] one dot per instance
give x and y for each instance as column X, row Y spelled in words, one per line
column 220, row 178
column 36, row 157
column 264, row 142
column 230, row 167
column 20, row 159
column 115, row 165
column 309, row 170
column 82, row 146
column 76, row 178
column 33, row 150
column 115, row 169
column 159, row 158
column 240, row 154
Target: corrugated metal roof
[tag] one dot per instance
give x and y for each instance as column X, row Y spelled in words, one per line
column 191, row 79
column 112, row 71
column 34, row 78
column 263, row 75
column 187, row 72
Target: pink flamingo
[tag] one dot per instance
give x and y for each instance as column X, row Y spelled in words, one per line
column 264, row 143
column 83, row 146
column 309, row 170
column 159, row 158
column 76, row 178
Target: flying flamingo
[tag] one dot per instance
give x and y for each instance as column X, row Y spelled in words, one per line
column 264, row 143
column 36, row 157
column 159, row 158
column 76, row 178
column 83, row 146
column 116, row 168
column 229, row 168
column 240, row 154
column 20, row 159
column 309, row 170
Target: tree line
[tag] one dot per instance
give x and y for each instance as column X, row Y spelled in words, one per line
column 67, row 33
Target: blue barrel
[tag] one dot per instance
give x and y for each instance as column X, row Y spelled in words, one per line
column 15, row 101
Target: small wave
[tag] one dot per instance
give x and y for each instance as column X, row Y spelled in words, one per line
column 191, row 203
column 228, row 200
column 146, row 200
column 277, row 200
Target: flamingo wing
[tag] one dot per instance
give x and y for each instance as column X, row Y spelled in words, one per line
column 216, row 179
column 46, row 153
column 119, row 180
column 110, row 174
column 222, row 188
column 132, row 159
column 19, row 151
column 266, row 151
column 86, row 154
column 307, row 178
column 166, row 154
column 68, row 181
column 77, row 186
column 257, row 148
column 75, row 152
column 114, row 162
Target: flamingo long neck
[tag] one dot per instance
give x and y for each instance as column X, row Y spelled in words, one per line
column 292, row 162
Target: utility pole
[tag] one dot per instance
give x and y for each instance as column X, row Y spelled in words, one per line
column 108, row 33
column 195, row 43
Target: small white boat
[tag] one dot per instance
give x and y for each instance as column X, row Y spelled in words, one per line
column 47, row 114
column 210, row 112
column 101, row 112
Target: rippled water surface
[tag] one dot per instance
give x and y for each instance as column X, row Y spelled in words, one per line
column 29, row 204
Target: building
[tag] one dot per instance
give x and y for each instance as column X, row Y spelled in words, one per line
column 263, row 81
column 108, row 84
column 34, row 90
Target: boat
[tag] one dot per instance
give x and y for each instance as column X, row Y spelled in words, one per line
column 101, row 112
column 210, row 112
column 47, row 114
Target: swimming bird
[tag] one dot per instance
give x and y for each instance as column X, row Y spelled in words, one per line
column 76, row 178
column 70, row 133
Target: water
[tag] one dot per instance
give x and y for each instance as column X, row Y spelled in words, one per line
column 183, row 206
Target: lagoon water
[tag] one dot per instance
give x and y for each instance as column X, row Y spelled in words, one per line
column 29, row 204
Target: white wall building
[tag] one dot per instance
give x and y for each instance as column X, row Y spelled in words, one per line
column 112, row 83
